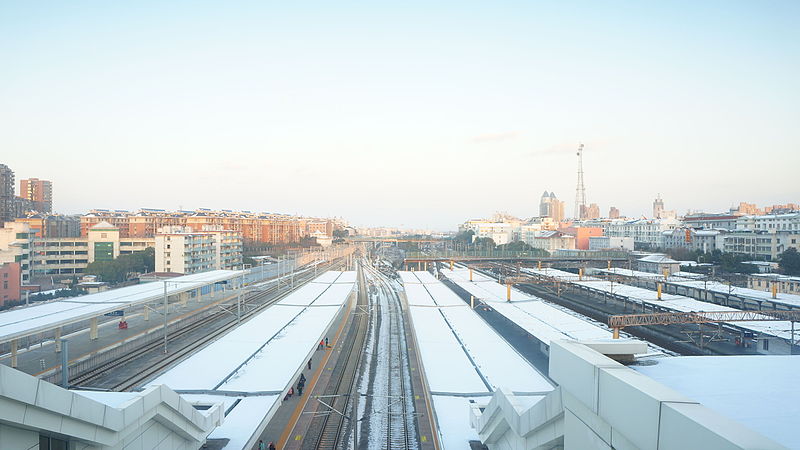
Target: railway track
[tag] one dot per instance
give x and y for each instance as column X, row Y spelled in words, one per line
column 153, row 348
column 399, row 418
column 328, row 430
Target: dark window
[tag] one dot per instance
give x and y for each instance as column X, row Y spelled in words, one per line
column 50, row 443
column 766, row 344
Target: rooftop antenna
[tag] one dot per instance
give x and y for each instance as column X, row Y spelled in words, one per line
column 580, row 190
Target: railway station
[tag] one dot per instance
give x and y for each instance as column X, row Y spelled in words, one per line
column 348, row 353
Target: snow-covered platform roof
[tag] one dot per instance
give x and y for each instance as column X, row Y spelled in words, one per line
column 542, row 320
column 679, row 303
column 462, row 356
column 38, row 318
column 259, row 359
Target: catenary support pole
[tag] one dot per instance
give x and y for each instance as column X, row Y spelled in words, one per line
column 65, row 364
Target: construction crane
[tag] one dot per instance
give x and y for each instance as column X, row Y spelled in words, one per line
column 634, row 320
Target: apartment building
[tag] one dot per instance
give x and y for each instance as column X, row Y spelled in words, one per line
column 550, row 240
column 70, row 255
column 273, row 229
column 691, row 239
column 39, row 192
column 181, row 250
column 15, row 242
column 771, row 222
column 10, row 282
column 52, row 225
column 761, row 245
column 711, row 221
column 643, row 231
column 784, row 284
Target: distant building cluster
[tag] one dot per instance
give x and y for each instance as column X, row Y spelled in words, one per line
column 37, row 244
column 760, row 233
column 264, row 228
column 35, row 196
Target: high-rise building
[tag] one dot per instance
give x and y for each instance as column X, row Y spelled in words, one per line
column 40, row 192
column 613, row 213
column 7, row 202
column 658, row 207
column 550, row 206
column 592, row 211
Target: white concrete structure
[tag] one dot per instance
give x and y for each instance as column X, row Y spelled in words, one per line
column 676, row 403
column 33, row 411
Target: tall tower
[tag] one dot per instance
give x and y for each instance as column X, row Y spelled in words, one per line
column 580, row 190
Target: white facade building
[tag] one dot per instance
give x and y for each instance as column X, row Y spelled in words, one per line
column 549, row 240
column 770, row 222
column 690, row 239
column 610, row 243
column 762, row 246
column 181, row 250
column 643, row 231
column 500, row 232
column 15, row 242
column 658, row 263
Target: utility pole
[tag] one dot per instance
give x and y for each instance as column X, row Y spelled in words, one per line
column 165, row 317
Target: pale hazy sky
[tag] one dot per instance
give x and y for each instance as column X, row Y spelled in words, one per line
column 402, row 112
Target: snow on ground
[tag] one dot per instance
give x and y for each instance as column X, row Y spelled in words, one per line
column 452, row 415
column 499, row 362
column 241, row 422
column 757, row 391
column 447, row 367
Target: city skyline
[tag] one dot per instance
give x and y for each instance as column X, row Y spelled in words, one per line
column 328, row 113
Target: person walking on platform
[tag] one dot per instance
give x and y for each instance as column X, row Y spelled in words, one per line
column 321, row 344
column 326, row 342
column 300, row 385
column 271, row 446
column 309, row 364
column 302, row 378
column 262, row 445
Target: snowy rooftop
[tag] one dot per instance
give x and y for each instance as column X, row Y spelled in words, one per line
column 678, row 303
column 21, row 322
column 244, row 359
column 541, row 319
column 454, row 340
column 760, row 392
column 694, row 280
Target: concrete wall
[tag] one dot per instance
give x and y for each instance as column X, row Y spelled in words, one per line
column 155, row 418
column 602, row 404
